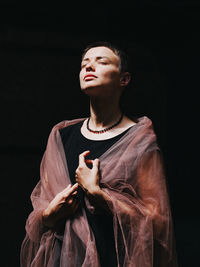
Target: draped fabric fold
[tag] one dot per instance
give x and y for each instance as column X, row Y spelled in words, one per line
column 133, row 177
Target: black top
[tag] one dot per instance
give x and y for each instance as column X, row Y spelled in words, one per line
column 102, row 225
column 75, row 143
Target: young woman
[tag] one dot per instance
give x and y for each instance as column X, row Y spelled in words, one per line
column 102, row 197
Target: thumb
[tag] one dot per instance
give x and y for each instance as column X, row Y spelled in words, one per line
column 96, row 164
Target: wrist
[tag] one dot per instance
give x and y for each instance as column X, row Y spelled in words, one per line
column 101, row 198
column 47, row 222
column 94, row 191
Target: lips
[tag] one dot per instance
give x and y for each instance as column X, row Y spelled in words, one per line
column 89, row 76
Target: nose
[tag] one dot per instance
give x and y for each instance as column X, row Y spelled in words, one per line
column 90, row 66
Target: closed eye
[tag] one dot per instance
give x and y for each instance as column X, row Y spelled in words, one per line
column 103, row 62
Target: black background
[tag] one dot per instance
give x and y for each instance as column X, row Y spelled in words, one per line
column 40, row 50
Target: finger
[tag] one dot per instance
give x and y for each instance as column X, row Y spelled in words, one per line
column 74, row 193
column 82, row 157
column 89, row 161
column 69, row 191
column 74, row 187
column 96, row 164
column 72, row 201
column 69, row 185
column 69, row 201
column 85, row 153
column 66, row 189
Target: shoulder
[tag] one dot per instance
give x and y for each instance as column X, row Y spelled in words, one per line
column 70, row 128
column 142, row 135
column 142, row 124
column 55, row 131
column 65, row 123
column 145, row 124
column 149, row 138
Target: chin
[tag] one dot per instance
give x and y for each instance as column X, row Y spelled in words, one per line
column 98, row 90
column 89, row 91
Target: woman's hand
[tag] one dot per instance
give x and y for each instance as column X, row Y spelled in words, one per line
column 63, row 205
column 88, row 178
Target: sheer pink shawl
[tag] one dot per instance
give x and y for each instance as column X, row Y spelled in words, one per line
column 132, row 175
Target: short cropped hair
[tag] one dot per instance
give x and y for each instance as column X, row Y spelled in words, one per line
column 123, row 58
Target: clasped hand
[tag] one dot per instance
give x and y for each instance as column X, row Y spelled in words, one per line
column 65, row 203
column 87, row 178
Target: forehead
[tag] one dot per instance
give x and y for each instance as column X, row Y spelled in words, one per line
column 101, row 51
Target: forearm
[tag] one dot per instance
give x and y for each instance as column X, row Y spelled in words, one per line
column 48, row 220
column 102, row 199
column 99, row 198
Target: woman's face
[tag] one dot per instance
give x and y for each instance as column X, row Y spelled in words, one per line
column 100, row 73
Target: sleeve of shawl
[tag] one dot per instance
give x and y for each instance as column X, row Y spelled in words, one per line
column 152, row 191
column 142, row 217
column 52, row 181
column 34, row 242
column 34, row 225
column 34, row 229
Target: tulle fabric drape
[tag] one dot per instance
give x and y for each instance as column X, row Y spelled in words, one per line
column 132, row 175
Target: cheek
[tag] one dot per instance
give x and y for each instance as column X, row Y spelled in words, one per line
column 112, row 76
column 81, row 77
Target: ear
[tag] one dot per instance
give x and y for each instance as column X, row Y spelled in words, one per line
column 125, row 79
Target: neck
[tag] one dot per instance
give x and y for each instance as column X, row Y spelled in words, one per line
column 104, row 111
